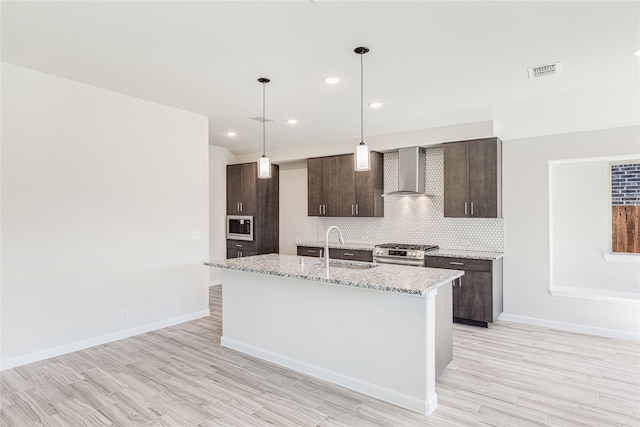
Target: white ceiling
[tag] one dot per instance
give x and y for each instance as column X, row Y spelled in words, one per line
column 431, row 63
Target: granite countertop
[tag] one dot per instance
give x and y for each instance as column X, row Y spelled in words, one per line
column 459, row 253
column 449, row 253
column 384, row 277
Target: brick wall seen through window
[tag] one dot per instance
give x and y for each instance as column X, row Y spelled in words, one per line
column 625, row 207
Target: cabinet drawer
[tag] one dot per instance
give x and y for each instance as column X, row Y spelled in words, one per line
column 348, row 254
column 241, row 245
column 309, row 251
column 334, row 253
column 459, row 263
column 239, row 253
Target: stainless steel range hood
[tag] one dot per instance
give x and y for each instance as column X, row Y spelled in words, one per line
column 411, row 172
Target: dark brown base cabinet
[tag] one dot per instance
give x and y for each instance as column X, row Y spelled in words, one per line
column 249, row 195
column 477, row 296
column 240, row 248
column 336, row 253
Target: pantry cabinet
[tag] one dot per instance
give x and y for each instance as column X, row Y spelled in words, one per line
column 336, row 189
column 258, row 198
column 473, row 178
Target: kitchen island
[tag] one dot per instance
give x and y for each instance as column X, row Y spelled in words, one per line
column 381, row 331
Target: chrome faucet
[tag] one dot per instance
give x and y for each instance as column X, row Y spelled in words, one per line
column 326, row 244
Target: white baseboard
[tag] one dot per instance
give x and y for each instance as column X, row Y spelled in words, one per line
column 571, row 327
column 383, row 393
column 103, row 339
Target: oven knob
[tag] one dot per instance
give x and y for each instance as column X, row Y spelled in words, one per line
column 412, row 254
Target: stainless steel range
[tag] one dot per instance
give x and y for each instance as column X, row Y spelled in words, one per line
column 398, row 253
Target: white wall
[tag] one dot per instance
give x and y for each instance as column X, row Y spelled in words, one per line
column 386, row 142
column 527, row 233
column 295, row 225
column 581, row 232
column 100, row 195
column 219, row 157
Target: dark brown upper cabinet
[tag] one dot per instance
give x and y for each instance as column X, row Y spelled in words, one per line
column 473, row 178
column 336, row 189
column 241, row 189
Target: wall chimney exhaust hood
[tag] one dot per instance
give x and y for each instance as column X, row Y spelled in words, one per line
column 411, row 172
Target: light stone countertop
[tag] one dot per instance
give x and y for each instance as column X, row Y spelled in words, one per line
column 384, row 277
column 459, row 253
column 449, row 253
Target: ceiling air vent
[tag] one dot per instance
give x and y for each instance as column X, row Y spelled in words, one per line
column 544, row 70
column 262, row 119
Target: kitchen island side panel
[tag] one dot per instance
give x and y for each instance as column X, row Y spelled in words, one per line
column 368, row 340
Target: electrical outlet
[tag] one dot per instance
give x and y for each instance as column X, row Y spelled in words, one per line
column 124, row 315
column 195, row 235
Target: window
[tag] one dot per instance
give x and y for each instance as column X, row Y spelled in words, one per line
column 625, row 207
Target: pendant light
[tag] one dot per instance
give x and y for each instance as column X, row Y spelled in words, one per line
column 264, row 164
column 362, row 158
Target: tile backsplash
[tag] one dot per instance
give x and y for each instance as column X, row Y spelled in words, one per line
column 419, row 220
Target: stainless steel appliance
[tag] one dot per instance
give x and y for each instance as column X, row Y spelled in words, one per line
column 398, row 253
column 240, row 227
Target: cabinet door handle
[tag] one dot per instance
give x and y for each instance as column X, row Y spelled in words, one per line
column 241, row 207
column 238, row 246
column 465, row 208
column 312, row 251
column 324, row 209
column 319, row 209
column 351, row 209
column 456, row 263
column 356, row 209
column 471, row 208
column 347, row 254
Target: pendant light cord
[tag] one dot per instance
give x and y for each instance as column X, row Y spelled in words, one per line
column 263, row 121
column 361, row 100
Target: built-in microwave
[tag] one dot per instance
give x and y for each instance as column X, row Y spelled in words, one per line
column 240, row 227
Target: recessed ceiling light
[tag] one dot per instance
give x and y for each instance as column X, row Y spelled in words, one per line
column 331, row 80
column 636, row 52
column 375, row 105
column 231, row 134
column 292, row 121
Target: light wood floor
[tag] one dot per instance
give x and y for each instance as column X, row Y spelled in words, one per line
column 507, row 375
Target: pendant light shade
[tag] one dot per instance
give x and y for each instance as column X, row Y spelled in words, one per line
column 361, row 155
column 264, row 164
